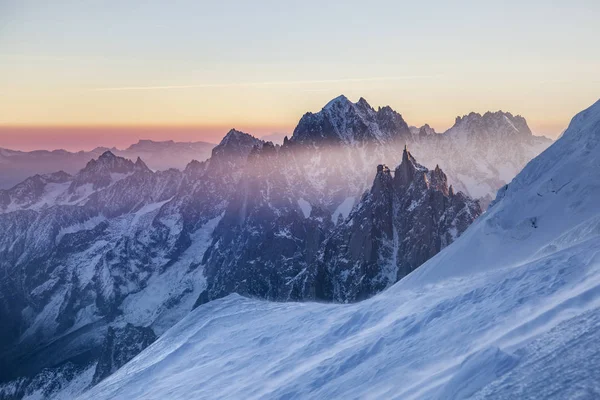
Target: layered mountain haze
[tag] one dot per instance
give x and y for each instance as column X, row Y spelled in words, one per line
column 16, row 166
column 480, row 153
column 98, row 263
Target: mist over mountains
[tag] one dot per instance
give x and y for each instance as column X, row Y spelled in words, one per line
column 16, row 166
column 98, row 263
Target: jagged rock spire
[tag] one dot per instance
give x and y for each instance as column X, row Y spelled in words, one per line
column 383, row 180
column 404, row 174
column 141, row 165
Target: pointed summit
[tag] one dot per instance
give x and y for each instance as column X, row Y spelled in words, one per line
column 107, row 155
column 141, row 166
column 103, row 171
column 235, row 146
column 347, row 123
column 338, row 101
column 405, row 172
column 109, row 162
column 363, row 104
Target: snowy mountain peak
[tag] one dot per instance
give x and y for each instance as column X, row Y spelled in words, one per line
column 426, row 130
column 235, row 142
column 235, row 138
column 339, row 101
column 108, row 162
column 233, row 148
column 103, row 171
column 344, row 122
column 498, row 123
column 363, row 104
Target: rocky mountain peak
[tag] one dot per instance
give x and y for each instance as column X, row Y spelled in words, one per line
column 104, row 170
column 363, row 104
column 140, row 166
column 262, row 151
column 490, row 124
column 344, row 122
column 426, row 130
column 235, row 143
column 405, row 172
column 393, row 229
column 106, row 156
column 109, row 162
column 339, row 102
column 383, row 179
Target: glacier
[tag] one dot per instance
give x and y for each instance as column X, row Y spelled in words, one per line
column 509, row 310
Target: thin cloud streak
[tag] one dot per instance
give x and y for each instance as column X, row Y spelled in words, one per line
column 259, row 84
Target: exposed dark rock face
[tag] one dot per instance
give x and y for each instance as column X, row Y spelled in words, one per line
column 426, row 131
column 403, row 221
column 264, row 245
column 120, row 346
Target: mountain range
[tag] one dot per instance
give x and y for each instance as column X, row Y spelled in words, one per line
column 16, row 166
column 98, row 264
column 511, row 309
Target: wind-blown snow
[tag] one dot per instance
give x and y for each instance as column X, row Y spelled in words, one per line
column 510, row 310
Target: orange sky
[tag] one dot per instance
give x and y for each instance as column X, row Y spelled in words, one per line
column 77, row 74
column 75, row 138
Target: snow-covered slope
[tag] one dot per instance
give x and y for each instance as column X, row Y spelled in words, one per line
column 510, row 310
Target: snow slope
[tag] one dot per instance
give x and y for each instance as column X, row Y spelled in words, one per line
column 510, row 310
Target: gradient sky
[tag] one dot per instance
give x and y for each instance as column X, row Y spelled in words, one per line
column 80, row 73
